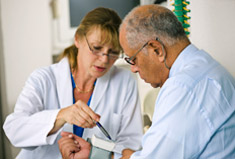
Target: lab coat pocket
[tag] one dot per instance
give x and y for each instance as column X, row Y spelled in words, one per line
column 115, row 125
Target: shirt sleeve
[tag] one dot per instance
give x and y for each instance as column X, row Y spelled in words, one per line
column 176, row 112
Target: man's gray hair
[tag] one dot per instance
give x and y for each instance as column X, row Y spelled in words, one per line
column 155, row 21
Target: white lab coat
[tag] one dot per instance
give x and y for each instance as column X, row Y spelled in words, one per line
column 49, row 89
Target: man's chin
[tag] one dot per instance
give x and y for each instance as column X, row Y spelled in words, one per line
column 154, row 85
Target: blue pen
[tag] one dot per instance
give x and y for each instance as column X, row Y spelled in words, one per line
column 103, row 130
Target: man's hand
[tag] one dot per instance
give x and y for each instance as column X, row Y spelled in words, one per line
column 126, row 153
column 73, row 147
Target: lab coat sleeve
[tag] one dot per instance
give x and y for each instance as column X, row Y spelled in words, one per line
column 32, row 120
column 131, row 129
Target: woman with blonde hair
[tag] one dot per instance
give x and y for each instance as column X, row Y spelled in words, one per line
column 84, row 87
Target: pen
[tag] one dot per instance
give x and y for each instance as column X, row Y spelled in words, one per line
column 103, row 130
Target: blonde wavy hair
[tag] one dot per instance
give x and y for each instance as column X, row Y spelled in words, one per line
column 107, row 20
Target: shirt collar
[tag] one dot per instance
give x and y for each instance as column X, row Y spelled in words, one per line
column 183, row 58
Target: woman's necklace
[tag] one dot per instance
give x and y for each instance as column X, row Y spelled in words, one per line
column 79, row 90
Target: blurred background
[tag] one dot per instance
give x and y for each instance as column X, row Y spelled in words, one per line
column 34, row 32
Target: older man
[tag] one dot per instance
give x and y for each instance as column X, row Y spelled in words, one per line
column 195, row 110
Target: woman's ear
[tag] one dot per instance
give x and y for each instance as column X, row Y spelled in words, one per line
column 76, row 42
column 156, row 48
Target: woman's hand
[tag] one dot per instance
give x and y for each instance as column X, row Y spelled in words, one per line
column 79, row 114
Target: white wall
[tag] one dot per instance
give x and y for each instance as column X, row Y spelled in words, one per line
column 213, row 29
column 26, row 45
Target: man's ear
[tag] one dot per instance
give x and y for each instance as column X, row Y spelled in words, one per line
column 156, row 49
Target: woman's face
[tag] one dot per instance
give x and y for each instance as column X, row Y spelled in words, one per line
column 95, row 65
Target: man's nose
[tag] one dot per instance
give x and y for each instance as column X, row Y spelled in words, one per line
column 134, row 69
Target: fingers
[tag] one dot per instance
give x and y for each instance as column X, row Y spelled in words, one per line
column 85, row 120
column 76, row 139
column 126, row 153
column 67, row 146
column 64, row 133
column 86, row 115
column 69, row 138
column 87, row 110
column 70, row 135
column 79, row 114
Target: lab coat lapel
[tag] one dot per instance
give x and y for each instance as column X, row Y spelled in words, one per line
column 100, row 89
column 63, row 83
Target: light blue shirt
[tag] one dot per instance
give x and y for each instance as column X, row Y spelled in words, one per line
column 194, row 113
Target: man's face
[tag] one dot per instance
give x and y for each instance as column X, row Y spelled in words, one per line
column 146, row 65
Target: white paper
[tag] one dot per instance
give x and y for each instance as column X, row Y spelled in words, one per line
column 103, row 144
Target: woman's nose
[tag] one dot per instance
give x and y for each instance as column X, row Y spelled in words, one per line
column 104, row 58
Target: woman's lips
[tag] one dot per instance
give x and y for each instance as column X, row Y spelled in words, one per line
column 100, row 69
